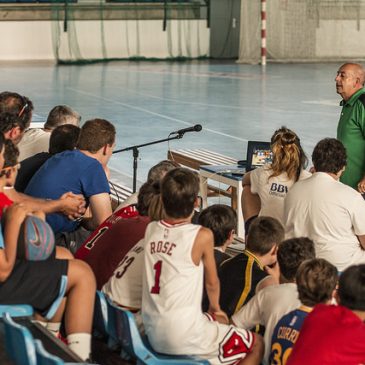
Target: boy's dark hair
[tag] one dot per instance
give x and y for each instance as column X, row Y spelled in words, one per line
column 291, row 253
column 95, row 134
column 63, row 138
column 329, row 155
column 316, row 280
column 179, row 190
column 156, row 172
column 351, row 288
column 263, row 234
column 9, row 121
column 60, row 115
column 221, row 220
column 17, row 105
column 11, row 154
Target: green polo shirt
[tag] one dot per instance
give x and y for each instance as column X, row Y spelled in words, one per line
column 351, row 132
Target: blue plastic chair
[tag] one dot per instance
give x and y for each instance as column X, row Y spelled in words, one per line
column 19, row 342
column 25, row 310
column 22, row 349
column 16, row 310
column 44, row 357
column 122, row 328
column 104, row 321
column 55, row 305
column 100, row 320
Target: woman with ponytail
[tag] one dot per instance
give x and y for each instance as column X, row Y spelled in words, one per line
column 265, row 188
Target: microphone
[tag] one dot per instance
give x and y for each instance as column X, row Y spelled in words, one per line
column 195, row 128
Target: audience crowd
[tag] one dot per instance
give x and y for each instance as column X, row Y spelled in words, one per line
column 295, row 295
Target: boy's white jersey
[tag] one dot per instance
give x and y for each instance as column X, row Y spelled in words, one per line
column 172, row 285
column 125, row 285
column 172, row 298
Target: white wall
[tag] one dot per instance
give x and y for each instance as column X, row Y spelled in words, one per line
column 33, row 40
column 28, row 40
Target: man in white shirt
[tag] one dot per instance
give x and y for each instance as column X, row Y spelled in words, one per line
column 327, row 211
column 270, row 304
column 36, row 140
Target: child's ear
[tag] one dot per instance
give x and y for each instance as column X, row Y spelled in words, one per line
column 335, row 295
column 197, row 203
column 15, row 132
column 274, row 249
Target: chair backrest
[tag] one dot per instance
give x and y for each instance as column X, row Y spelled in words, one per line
column 112, row 327
column 126, row 332
column 100, row 321
column 19, row 342
column 44, row 357
column 122, row 327
column 16, row 310
column 104, row 321
column 55, row 305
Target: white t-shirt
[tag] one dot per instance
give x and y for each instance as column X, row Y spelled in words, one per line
column 331, row 214
column 34, row 141
column 266, row 308
column 272, row 190
column 125, row 285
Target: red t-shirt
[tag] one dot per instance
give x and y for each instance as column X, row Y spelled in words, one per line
column 4, row 202
column 109, row 243
column 330, row 335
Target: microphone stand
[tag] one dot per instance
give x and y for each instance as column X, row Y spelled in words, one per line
column 136, row 154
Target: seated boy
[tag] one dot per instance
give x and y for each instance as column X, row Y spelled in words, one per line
column 113, row 239
column 118, row 241
column 178, row 255
column 222, row 221
column 335, row 334
column 316, row 281
column 8, row 176
column 271, row 303
column 243, row 275
column 37, row 283
column 81, row 171
column 124, row 286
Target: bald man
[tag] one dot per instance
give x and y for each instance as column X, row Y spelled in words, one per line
column 351, row 126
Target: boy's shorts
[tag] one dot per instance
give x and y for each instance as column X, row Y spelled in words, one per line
column 36, row 283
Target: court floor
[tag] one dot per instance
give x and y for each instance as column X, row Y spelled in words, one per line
column 146, row 101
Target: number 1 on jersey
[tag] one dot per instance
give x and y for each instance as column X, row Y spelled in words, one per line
column 157, row 267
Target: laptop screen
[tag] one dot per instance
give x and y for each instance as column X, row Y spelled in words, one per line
column 258, row 154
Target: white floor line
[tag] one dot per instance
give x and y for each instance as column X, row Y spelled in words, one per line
column 156, row 114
